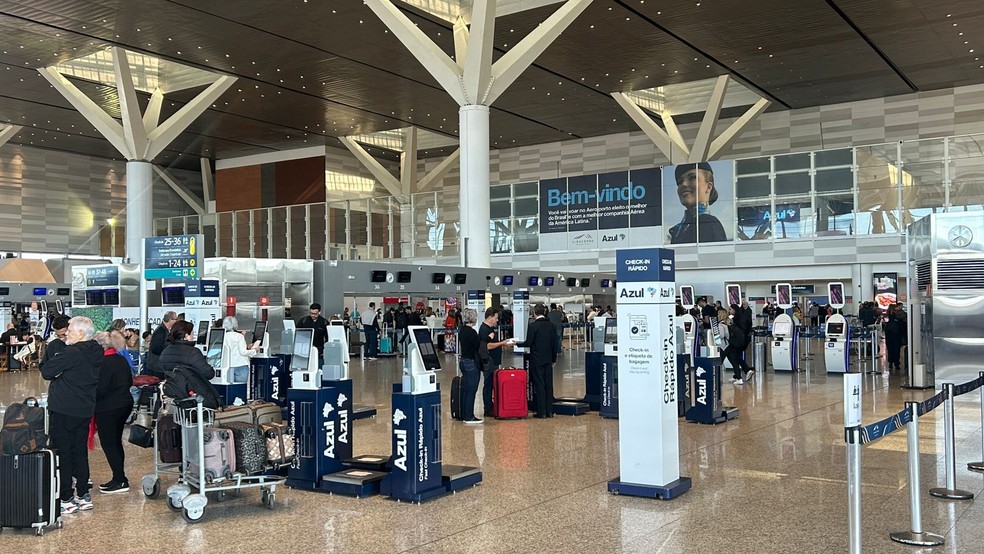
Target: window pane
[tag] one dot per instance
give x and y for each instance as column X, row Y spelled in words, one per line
column 835, row 215
column 526, row 234
column 527, row 206
column 526, row 189
column 967, row 182
column 792, row 183
column 793, row 219
column 499, row 192
column 752, row 165
column 828, row 158
column 754, row 187
column 279, row 237
column 499, row 209
column 754, row 222
column 793, row 162
column 500, row 236
column 878, row 201
column 829, row 180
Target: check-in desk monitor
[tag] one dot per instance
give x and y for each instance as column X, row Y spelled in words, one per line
column 214, row 351
column 260, row 335
column 422, row 362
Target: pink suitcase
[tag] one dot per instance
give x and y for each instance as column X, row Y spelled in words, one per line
column 220, row 454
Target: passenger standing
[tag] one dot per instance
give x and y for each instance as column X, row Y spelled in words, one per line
column 57, row 344
column 557, row 317
column 320, row 325
column 234, row 346
column 490, row 354
column 74, row 378
column 158, row 341
column 402, row 319
column 468, row 343
column 896, row 336
column 113, row 406
column 541, row 340
column 737, row 342
column 370, row 324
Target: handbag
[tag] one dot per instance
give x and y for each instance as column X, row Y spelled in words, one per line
column 141, row 436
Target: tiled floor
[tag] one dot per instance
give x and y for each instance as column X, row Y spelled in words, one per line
column 771, row 481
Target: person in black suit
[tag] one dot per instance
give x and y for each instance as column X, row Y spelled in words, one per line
column 541, row 340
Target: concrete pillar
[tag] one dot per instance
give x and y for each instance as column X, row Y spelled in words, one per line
column 474, row 209
column 139, row 206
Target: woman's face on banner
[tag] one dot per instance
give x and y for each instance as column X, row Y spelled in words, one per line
column 695, row 186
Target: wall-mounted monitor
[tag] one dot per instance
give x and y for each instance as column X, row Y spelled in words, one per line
column 606, row 283
column 460, row 278
column 259, row 330
column 214, row 351
column 4, row 291
column 586, row 282
column 548, row 281
column 507, row 280
column 572, row 281
column 40, row 291
column 93, row 298
column 437, row 278
column 172, row 296
column 111, row 297
column 422, row 337
column 303, row 339
column 378, row 276
column 404, row 276
column 63, row 291
column 202, row 332
column 534, row 281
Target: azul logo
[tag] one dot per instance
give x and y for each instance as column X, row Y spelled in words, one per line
column 341, row 399
column 329, row 426
column 651, row 291
column 701, row 387
column 401, row 448
column 343, row 420
column 398, row 416
column 617, row 237
column 631, row 293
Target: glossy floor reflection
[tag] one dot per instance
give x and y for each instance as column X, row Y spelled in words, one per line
column 771, row 481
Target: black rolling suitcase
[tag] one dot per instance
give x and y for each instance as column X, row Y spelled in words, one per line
column 29, row 485
column 456, row 385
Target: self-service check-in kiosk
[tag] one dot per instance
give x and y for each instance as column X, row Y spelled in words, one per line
column 686, row 333
column 704, row 387
column 836, row 349
column 417, row 471
column 230, row 392
column 609, row 371
column 783, row 345
column 336, row 363
column 319, row 416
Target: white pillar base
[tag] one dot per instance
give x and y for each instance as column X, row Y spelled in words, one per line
column 474, row 206
column 139, row 207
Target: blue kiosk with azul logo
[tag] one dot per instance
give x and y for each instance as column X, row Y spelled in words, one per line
column 649, row 442
column 417, row 469
column 319, row 418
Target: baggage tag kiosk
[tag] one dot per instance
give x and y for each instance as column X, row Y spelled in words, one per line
column 336, row 353
column 319, row 417
column 417, row 471
column 704, row 382
column 609, row 371
column 783, row 344
column 261, row 339
column 686, row 327
column 201, row 341
column 231, row 393
column 835, row 350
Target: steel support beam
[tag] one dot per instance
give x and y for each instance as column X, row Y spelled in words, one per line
column 731, row 133
column 102, row 121
column 674, row 132
column 438, row 172
column 659, row 137
column 408, row 162
column 177, row 123
column 208, row 184
column 182, row 191
column 478, row 62
column 391, row 183
column 134, row 130
column 702, row 144
column 6, row 133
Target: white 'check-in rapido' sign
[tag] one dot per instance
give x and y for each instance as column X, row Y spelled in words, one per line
column 649, row 445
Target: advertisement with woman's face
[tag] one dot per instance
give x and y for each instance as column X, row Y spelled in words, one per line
column 700, row 208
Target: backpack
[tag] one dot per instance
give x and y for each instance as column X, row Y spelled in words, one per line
column 183, row 382
column 24, row 429
column 736, row 336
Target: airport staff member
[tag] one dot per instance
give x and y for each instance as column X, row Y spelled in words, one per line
column 371, row 326
column 542, row 342
column 695, row 188
column 490, row 353
column 320, row 325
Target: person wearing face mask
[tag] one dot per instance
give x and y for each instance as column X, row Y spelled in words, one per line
column 695, row 188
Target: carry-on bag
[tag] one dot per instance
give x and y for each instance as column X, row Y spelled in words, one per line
column 265, row 412
column 509, row 393
column 279, row 444
column 250, row 447
column 220, row 454
column 168, row 439
column 386, row 345
column 30, row 491
column 456, row 389
column 230, row 414
column 25, row 427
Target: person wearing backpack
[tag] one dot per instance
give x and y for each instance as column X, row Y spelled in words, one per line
column 181, row 351
column 74, row 378
column 737, row 341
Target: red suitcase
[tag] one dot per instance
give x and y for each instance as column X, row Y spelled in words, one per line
column 509, row 389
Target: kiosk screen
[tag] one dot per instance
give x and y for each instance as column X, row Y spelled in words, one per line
column 734, row 294
column 214, row 352
column 836, row 293
column 835, row 328
column 202, row 332
column 686, row 296
column 259, row 329
column 426, row 348
column 781, row 328
column 611, row 330
column 784, row 294
column 303, row 339
column 688, row 326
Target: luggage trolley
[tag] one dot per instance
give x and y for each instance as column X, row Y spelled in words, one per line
column 193, row 420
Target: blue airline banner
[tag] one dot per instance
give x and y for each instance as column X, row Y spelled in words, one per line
column 645, row 265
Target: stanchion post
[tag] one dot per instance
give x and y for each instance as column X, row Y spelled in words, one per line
column 852, row 434
column 950, row 491
column 915, row 535
column 979, row 466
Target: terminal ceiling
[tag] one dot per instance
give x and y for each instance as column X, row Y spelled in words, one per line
column 313, row 70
